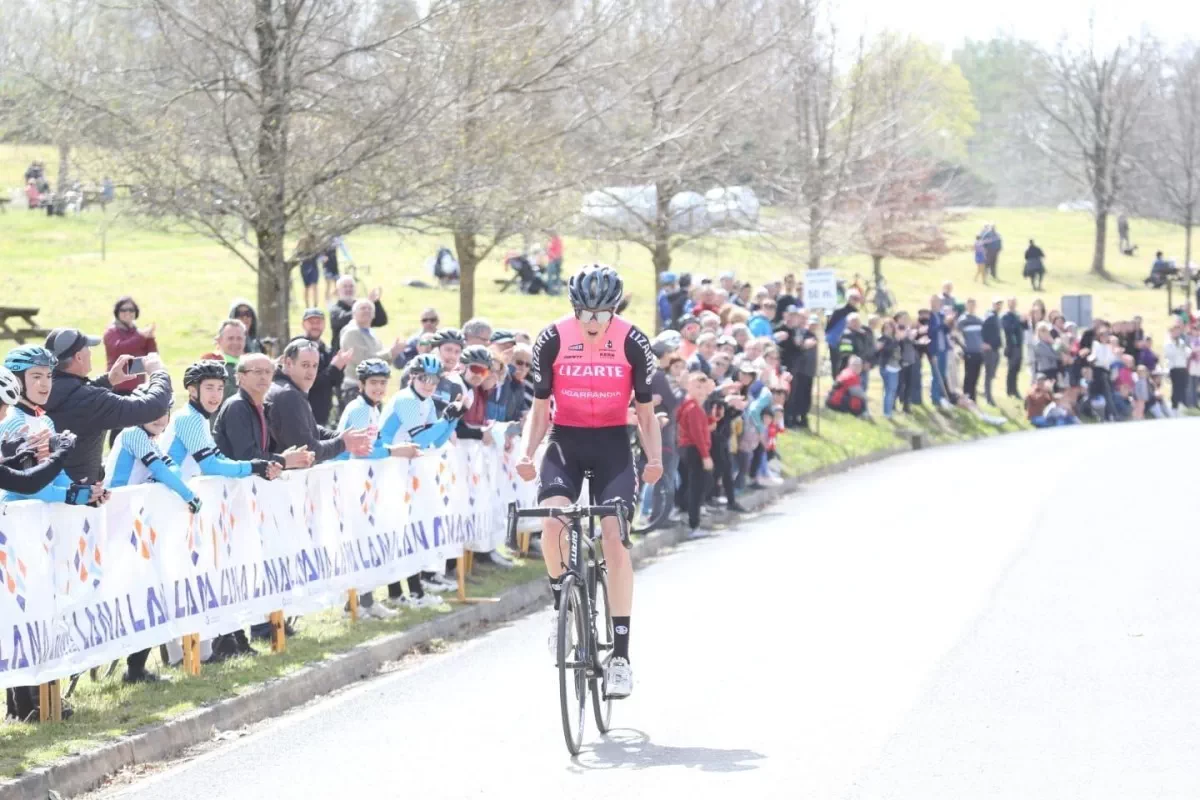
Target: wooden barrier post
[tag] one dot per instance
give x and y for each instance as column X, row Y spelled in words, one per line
column 523, row 540
column 49, row 702
column 465, row 562
column 353, row 605
column 278, row 633
column 191, row 654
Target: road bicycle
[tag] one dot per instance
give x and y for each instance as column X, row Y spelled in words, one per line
column 585, row 626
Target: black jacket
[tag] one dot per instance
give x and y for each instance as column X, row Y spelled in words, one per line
column 329, row 379
column 1014, row 332
column 291, row 423
column 22, row 474
column 90, row 409
column 238, row 430
column 991, row 332
column 790, row 351
column 341, row 314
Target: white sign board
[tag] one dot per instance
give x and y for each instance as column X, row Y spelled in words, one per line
column 820, row 289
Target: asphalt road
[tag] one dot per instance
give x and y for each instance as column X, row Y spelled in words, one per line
column 1008, row 619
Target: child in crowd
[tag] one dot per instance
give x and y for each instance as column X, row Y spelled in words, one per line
column 695, row 446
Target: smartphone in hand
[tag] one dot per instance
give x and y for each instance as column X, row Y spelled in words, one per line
column 137, row 366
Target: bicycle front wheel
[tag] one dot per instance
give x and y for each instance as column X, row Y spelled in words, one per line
column 573, row 660
column 601, row 704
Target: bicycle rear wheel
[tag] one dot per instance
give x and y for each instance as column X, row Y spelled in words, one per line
column 573, row 659
column 660, row 507
column 601, row 705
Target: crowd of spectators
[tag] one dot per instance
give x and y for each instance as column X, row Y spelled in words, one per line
column 1106, row 372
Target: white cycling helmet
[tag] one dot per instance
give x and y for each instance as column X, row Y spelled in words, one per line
column 10, row 387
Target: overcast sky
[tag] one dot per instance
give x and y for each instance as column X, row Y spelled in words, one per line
column 948, row 22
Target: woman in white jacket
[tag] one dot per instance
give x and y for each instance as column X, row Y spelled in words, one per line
column 1177, row 353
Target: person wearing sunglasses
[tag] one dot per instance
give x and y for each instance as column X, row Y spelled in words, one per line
column 475, row 365
column 590, row 363
column 413, row 415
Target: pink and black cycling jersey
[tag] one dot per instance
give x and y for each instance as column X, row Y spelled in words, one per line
column 591, row 383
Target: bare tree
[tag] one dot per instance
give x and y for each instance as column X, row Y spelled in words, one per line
column 1170, row 158
column 672, row 110
column 862, row 136
column 64, row 49
column 277, row 117
column 1097, row 99
column 816, row 153
column 901, row 214
column 511, row 69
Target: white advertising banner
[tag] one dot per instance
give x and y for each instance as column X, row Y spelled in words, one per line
column 80, row 587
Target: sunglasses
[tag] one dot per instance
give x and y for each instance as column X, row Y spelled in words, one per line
column 123, row 309
column 586, row 315
column 427, row 378
column 522, row 364
column 430, row 320
column 479, row 369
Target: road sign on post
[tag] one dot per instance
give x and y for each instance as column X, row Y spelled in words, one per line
column 820, row 289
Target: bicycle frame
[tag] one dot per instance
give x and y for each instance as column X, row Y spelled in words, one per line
column 585, row 560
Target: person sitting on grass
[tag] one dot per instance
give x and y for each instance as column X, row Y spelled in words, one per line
column 847, row 395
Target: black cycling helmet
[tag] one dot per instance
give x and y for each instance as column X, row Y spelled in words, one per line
column 372, row 368
column 596, row 286
column 449, row 336
column 202, row 371
column 476, row 354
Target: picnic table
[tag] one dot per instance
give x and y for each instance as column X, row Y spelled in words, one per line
column 4, row 201
column 29, row 331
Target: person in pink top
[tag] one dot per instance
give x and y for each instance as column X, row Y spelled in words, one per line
column 123, row 337
column 589, row 363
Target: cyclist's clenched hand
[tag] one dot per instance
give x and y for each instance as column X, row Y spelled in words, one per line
column 526, row 469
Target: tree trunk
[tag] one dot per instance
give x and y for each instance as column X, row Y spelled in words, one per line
column 661, row 253
column 1101, row 236
column 468, row 259
column 273, row 284
column 64, row 170
column 877, row 266
column 815, row 225
column 270, row 220
column 1187, row 259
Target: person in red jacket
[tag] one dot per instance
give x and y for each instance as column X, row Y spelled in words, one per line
column 695, row 446
column 123, row 337
column 847, row 394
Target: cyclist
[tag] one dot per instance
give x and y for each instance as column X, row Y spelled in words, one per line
column 188, row 441
column 589, row 363
column 136, row 458
column 364, row 411
column 33, row 367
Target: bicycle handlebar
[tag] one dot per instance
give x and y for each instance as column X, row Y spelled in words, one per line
column 572, row 512
column 617, row 510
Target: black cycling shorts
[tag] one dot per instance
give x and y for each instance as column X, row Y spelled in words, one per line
column 605, row 452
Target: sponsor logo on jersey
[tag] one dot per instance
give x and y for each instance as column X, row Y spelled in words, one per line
column 588, row 394
column 576, row 346
column 591, row 370
column 608, row 345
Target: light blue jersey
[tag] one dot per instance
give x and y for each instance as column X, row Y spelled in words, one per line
column 189, row 444
column 135, row 459
column 409, row 418
column 360, row 413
